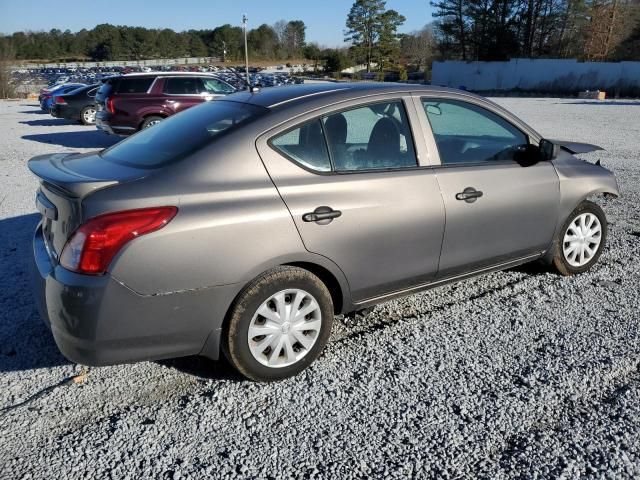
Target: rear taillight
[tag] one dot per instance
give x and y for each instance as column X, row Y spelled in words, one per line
column 92, row 247
column 111, row 108
column 60, row 101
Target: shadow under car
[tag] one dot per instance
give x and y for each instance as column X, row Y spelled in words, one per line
column 25, row 341
column 79, row 139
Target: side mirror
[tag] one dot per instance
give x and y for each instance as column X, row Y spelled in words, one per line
column 548, row 150
column 527, row 155
column 433, row 110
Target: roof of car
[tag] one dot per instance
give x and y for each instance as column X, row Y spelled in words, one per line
column 276, row 97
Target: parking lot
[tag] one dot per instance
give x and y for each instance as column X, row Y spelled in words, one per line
column 521, row 373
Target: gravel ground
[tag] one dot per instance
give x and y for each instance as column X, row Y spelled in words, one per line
column 521, row 374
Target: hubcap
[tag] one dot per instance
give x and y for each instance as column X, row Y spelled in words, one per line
column 284, row 328
column 582, row 240
column 152, row 123
column 90, row 116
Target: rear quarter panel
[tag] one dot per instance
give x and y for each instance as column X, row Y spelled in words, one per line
column 231, row 226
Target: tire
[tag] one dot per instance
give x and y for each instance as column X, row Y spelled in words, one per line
column 570, row 261
column 150, row 122
column 88, row 115
column 268, row 359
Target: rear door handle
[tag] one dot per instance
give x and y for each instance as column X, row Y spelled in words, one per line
column 469, row 195
column 322, row 215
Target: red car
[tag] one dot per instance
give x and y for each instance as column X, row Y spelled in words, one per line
column 132, row 102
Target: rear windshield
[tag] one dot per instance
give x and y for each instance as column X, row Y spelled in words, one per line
column 134, row 85
column 182, row 134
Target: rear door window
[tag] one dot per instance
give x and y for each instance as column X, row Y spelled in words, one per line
column 134, row 85
column 305, row 145
column 182, row 86
column 373, row 137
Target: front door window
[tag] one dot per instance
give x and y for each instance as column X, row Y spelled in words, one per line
column 466, row 133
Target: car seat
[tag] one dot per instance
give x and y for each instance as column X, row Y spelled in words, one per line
column 383, row 149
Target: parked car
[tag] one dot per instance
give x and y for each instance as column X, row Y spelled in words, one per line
column 77, row 105
column 132, row 102
column 47, row 98
column 244, row 225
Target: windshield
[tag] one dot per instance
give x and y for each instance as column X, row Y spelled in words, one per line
column 181, row 134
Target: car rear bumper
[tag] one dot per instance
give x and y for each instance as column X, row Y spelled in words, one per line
column 63, row 111
column 103, row 123
column 96, row 320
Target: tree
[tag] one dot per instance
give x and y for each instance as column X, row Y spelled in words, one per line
column 363, row 28
column 280, row 27
column 629, row 48
column 262, row 41
column 610, row 22
column 388, row 46
column 503, row 29
column 166, row 43
column 418, row 48
column 105, row 43
column 197, row 47
column 7, row 54
column 373, row 32
column 336, row 60
column 312, row 52
column 453, row 25
column 138, row 42
column 227, row 38
column 293, row 40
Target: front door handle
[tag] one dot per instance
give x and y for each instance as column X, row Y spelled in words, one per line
column 469, row 195
column 322, row 215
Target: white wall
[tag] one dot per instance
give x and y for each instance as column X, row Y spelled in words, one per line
column 541, row 75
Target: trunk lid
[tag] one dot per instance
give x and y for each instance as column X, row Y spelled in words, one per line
column 65, row 180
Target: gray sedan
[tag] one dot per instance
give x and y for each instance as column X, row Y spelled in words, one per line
column 244, row 225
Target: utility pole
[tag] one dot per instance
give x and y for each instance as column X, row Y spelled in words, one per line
column 224, row 51
column 246, row 50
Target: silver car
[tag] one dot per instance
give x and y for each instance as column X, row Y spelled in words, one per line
column 243, row 226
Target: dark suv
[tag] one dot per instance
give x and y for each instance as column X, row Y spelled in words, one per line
column 130, row 103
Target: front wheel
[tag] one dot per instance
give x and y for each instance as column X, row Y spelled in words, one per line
column 581, row 240
column 279, row 324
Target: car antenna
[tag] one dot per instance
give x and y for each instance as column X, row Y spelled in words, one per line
column 251, row 89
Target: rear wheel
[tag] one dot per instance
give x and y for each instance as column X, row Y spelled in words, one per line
column 581, row 240
column 88, row 115
column 150, row 122
column 279, row 324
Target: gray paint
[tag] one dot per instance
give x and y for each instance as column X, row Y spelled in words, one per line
column 240, row 208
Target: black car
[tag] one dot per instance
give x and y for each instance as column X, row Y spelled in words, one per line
column 78, row 105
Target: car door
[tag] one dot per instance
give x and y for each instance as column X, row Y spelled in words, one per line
column 351, row 180
column 181, row 93
column 499, row 205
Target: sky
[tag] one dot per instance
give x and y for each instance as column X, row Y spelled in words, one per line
column 325, row 19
